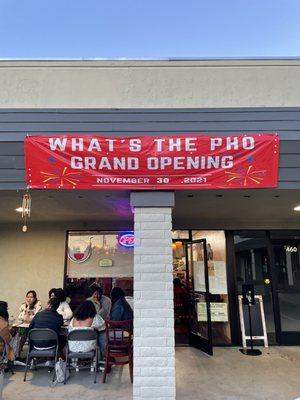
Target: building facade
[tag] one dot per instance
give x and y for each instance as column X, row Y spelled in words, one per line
column 253, row 234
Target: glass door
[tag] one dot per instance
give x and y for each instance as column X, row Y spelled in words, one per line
column 200, row 334
column 253, row 267
column 286, row 248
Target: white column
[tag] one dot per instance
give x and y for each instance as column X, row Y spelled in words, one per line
column 154, row 347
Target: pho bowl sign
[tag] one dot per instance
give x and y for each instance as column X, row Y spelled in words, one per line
column 80, row 250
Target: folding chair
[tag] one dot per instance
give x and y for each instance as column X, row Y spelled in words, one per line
column 119, row 345
column 41, row 335
column 82, row 335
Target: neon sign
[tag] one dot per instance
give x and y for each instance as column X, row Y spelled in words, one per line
column 126, row 239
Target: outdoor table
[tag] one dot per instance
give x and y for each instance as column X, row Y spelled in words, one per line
column 21, row 324
column 63, row 328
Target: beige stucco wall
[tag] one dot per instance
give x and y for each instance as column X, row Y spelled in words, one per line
column 149, row 84
column 34, row 260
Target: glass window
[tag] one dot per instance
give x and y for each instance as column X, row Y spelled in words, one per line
column 180, row 235
column 287, row 258
column 179, row 261
column 98, row 258
column 99, row 254
column 251, row 257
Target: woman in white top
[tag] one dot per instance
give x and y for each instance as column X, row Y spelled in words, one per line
column 64, row 309
column 27, row 312
column 31, row 306
column 85, row 317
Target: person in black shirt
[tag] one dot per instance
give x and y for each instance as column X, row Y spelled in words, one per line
column 50, row 319
column 120, row 310
column 77, row 291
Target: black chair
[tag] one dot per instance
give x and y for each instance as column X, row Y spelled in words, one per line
column 82, row 335
column 41, row 335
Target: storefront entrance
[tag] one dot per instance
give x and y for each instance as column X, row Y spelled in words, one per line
column 268, row 259
column 271, row 261
column 192, row 298
column 200, row 289
column 208, row 275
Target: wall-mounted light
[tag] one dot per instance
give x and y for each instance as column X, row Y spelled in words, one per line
column 25, row 210
column 297, row 208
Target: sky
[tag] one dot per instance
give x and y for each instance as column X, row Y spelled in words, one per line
column 149, row 28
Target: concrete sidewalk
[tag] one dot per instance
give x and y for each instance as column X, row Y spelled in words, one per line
column 38, row 386
column 228, row 375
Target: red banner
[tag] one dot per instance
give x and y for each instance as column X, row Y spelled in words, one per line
column 150, row 162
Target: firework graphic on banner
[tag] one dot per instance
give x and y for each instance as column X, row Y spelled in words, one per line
column 61, row 178
column 246, row 176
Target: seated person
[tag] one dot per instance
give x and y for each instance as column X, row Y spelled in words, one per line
column 64, row 309
column 4, row 332
column 48, row 318
column 85, row 317
column 28, row 310
column 129, row 297
column 101, row 302
column 102, row 305
column 30, row 307
column 120, row 310
column 77, row 290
